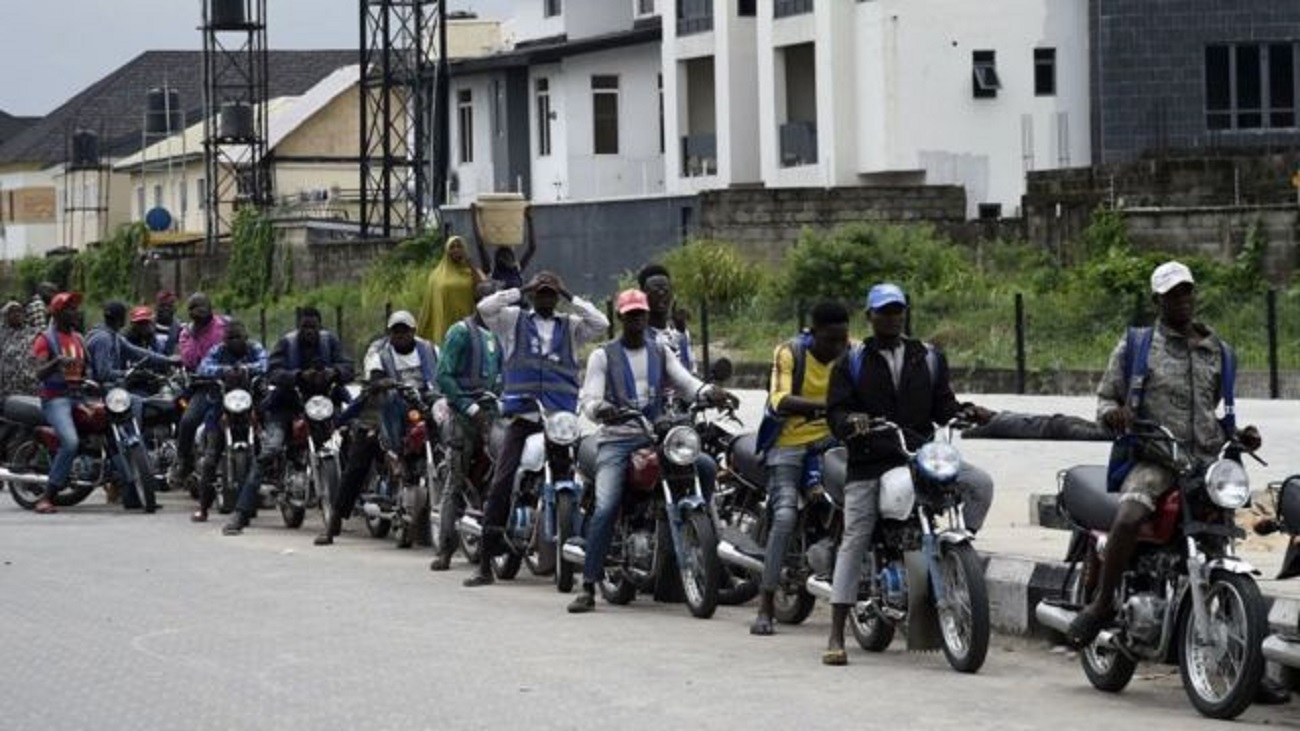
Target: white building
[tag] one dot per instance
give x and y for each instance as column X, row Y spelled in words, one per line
column 571, row 111
column 829, row 93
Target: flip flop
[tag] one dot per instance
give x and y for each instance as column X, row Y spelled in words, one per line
column 762, row 626
column 1084, row 628
column 835, row 658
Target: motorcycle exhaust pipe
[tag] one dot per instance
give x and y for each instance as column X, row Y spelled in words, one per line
column 372, row 511
column 820, row 588
column 574, row 553
column 729, row 554
column 1054, row 617
column 1282, row 652
column 25, row 478
column 469, row 525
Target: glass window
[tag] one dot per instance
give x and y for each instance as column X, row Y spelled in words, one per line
column 1045, row 72
column 604, row 95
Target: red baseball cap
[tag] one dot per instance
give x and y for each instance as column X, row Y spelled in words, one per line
column 630, row 300
column 63, row 300
column 143, row 313
column 165, row 297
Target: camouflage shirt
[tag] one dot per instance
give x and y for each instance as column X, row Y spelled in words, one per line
column 1182, row 387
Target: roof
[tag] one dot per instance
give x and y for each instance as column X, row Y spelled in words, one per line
column 10, row 125
column 114, row 106
column 551, row 49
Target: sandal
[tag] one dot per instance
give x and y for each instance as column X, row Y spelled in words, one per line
column 46, row 507
column 762, row 626
column 1084, row 629
column 835, row 657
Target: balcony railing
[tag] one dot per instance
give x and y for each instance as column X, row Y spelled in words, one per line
column 694, row 16
column 699, row 155
column 786, row 8
column 798, row 144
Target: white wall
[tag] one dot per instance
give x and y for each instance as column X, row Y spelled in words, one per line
column 526, row 22
column 919, row 112
column 477, row 176
column 737, row 82
column 27, row 239
column 550, row 174
column 586, row 18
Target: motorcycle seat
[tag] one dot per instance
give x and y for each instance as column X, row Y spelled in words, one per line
column 746, row 462
column 835, row 472
column 1084, row 497
column 24, row 410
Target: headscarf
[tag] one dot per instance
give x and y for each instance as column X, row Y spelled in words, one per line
column 449, row 295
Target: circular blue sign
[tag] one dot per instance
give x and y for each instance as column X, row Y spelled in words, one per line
column 158, row 219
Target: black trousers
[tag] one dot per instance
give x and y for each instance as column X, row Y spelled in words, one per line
column 362, row 452
column 497, row 507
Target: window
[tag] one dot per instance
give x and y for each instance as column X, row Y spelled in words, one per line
column 183, row 193
column 1044, row 72
column 661, row 113
column 201, row 193
column 157, row 196
column 543, row 117
column 694, row 16
column 1250, row 86
column 985, row 75
column 786, row 8
column 465, row 124
column 551, row 8
column 747, row 9
column 604, row 97
column 645, row 7
column 139, row 202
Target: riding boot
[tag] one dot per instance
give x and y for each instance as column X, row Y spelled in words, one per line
column 483, row 575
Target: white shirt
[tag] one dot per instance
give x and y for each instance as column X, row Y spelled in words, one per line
column 501, row 314
column 409, row 371
column 593, row 386
column 894, row 358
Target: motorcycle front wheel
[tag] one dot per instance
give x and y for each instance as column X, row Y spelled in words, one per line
column 237, row 465
column 964, row 611
column 1222, row 674
column 792, row 606
column 700, row 570
column 291, row 514
column 327, row 489
column 566, row 510
column 143, row 477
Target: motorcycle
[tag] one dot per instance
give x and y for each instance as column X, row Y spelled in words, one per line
column 811, row 550
column 309, row 474
column 738, row 505
column 1283, row 645
column 469, row 496
column 408, row 469
column 239, row 426
column 543, row 503
column 1186, row 598
column 107, row 433
column 163, row 407
column 664, row 521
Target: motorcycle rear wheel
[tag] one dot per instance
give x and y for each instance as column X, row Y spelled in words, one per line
column 31, row 456
column 618, row 591
column 873, row 632
column 964, row 621
column 736, row 585
column 792, row 606
column 1237, row 626
column 292, row 515
column 507, row 565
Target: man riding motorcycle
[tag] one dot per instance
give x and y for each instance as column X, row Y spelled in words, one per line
column 540, row 353
column 61, row 354
column 203, row 333
column 905, row 381
column 306, row 362
column 801, row 370
column 629, row 373
column 469, row 367
column 111, row 355
column 236, row 361
column 1180, row 390
column 400, row 357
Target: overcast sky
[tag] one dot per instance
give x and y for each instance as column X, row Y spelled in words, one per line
column 52, row 49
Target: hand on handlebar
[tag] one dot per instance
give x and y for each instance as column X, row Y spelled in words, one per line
column 975, row 414
column 1250, row 439
column 1118, row 420
column 606, row 412
column 859, row 424
column 720, row 398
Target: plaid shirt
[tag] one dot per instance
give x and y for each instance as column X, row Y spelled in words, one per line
column 37, row 316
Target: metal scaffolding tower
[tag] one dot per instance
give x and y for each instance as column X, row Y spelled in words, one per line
column 403, row 109
column 235, row 115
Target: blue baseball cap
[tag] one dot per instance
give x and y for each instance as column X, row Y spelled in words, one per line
column 885, row 293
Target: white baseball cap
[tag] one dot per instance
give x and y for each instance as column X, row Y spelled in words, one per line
column 1170, row 275
column 401, row 317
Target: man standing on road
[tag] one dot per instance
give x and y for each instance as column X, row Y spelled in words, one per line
column 801, row 370
column 540, row 350
column 905, row 381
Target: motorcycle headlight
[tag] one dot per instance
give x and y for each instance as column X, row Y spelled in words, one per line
column 1227, row 484
column 562, row 428
column 939, row 461
column 117, row 401
column 319, row 408
column 682, row 445
column 237, row 401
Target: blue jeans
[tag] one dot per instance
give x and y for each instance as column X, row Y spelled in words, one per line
column 706, row 468
column 785, row 468
column 611, row 471
column 58, row 414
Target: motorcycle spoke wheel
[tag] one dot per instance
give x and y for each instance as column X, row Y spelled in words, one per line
column 28, row 457
column 964, row 611
column 701, row 568
column 1222, row 671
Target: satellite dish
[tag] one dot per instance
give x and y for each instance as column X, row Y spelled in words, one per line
column 158, row 219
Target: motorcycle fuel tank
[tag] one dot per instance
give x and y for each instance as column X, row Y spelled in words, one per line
column 897, row 495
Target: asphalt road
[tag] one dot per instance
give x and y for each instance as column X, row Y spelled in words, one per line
column 123, row 621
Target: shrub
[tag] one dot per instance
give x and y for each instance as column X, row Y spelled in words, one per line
column 107, row 271
column 249, row 275
column 712, row 271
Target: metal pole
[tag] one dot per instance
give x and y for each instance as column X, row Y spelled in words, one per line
column 262, row 321
column 1274, row 387
column 803, row 315
column 704, row 334
column 1020, row 343
column 338, row 321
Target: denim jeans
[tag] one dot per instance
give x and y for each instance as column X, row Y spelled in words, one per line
column 611, row 471
column 198, row 408
column 58, row 414
column 785, row 467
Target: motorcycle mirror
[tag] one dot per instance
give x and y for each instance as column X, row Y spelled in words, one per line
column 721, row 370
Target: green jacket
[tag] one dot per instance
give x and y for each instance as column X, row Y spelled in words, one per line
column 455, row 379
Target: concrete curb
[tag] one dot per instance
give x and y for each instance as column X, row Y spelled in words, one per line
column 1016, row 584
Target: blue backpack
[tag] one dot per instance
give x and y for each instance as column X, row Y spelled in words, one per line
column 1137, row 353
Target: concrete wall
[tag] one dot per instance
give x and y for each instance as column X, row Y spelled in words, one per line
column 766, row 222
column 1148, row 81
column 592, row 245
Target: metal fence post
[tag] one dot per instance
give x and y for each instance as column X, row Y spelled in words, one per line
column 338, row 320
column 704, row 334
column 388, row 312
column 1020, row 343
column 609, row 315
column 261, row 317
column 1274, row 386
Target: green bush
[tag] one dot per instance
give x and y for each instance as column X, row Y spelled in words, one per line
column 713, row 272
column 250, row 272
column 108, row 270
column 399, row 276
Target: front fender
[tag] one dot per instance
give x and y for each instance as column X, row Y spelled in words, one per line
column 956, row 537
column 691, row 502
column 1232, row 565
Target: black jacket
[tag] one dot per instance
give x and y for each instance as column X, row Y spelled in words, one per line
column 917, row 405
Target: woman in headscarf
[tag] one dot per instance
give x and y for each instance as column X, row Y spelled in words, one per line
column 449, row 296
column 17, row 374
